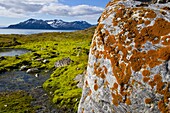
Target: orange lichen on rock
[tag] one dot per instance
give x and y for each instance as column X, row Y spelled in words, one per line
column 93, row 111
column 166, row 8
column 128, row 101
column 105, row 69
column 166, row 40
column 110, row 40
column 116, row 99
column 150, row 14
column 157, row 78
column 164, row 53
column 100, row 71
column 152, row 58
column 146, row 73
column 96, row 87
column 129, row 49
column 106, row 83
column 146, row 79
column 82, row 110
column 147, row 22
column 95, row 81
column 148, row 100
column 152, row 83
column 163, row 12
column 160, row 28
column 86, row 83
column 166, row 93
column 137, row 60
column 159, row 87
column 162, row 89
column 153, row 33
column 115, row 86
column 115, row 102
column 162, row 107
column 99, row 27
column 90, row 92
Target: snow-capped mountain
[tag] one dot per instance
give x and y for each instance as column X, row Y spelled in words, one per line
column 51, row 24
column 31, row 24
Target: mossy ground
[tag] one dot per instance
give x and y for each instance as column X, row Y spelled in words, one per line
column 52, row 46
column 16, row 102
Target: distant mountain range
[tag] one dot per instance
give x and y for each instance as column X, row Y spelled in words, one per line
column 51, row 24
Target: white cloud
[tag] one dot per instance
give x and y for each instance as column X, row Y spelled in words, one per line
column 21, row 8
column 65, row 10
column 55, row 9
column 42, row 2
column 10, row 13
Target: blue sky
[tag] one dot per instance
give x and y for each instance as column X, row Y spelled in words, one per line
column 14, row 11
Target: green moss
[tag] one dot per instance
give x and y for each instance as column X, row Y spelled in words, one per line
column 16, row 102
column 65, row 93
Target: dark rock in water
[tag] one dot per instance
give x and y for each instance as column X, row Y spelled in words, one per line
column 37, row 75
column 63, row 62
column 36, row 54
column 129, row 62
column 33, row 70
column 3, row 70
column 2, row 58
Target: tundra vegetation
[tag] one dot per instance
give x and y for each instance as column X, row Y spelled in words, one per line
column 52, row 47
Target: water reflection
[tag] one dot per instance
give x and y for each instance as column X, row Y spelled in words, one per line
column 19, row 80
column 12, row 52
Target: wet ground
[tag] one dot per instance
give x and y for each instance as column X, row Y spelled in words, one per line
column 20, row 80
column 12, row 52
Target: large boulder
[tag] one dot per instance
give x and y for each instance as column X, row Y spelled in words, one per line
column 129, row 61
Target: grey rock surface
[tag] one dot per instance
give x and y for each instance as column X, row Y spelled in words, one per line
column 129, row 62
column 63, row 62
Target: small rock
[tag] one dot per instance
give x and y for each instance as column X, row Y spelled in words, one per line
column 46, row 71
column 39, row 87
column 63, row 62
column 37, row 75
column 51, row 93
column 5, row 105
column 39, row 59
column 23, row 68
column 32, row 70
column 45, row 94
column 45, row 61
column 78, row 68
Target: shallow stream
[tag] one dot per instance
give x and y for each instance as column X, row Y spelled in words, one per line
column 12, row 52
column 20, row 80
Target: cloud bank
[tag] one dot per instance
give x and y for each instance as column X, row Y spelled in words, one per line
column 26, row 8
